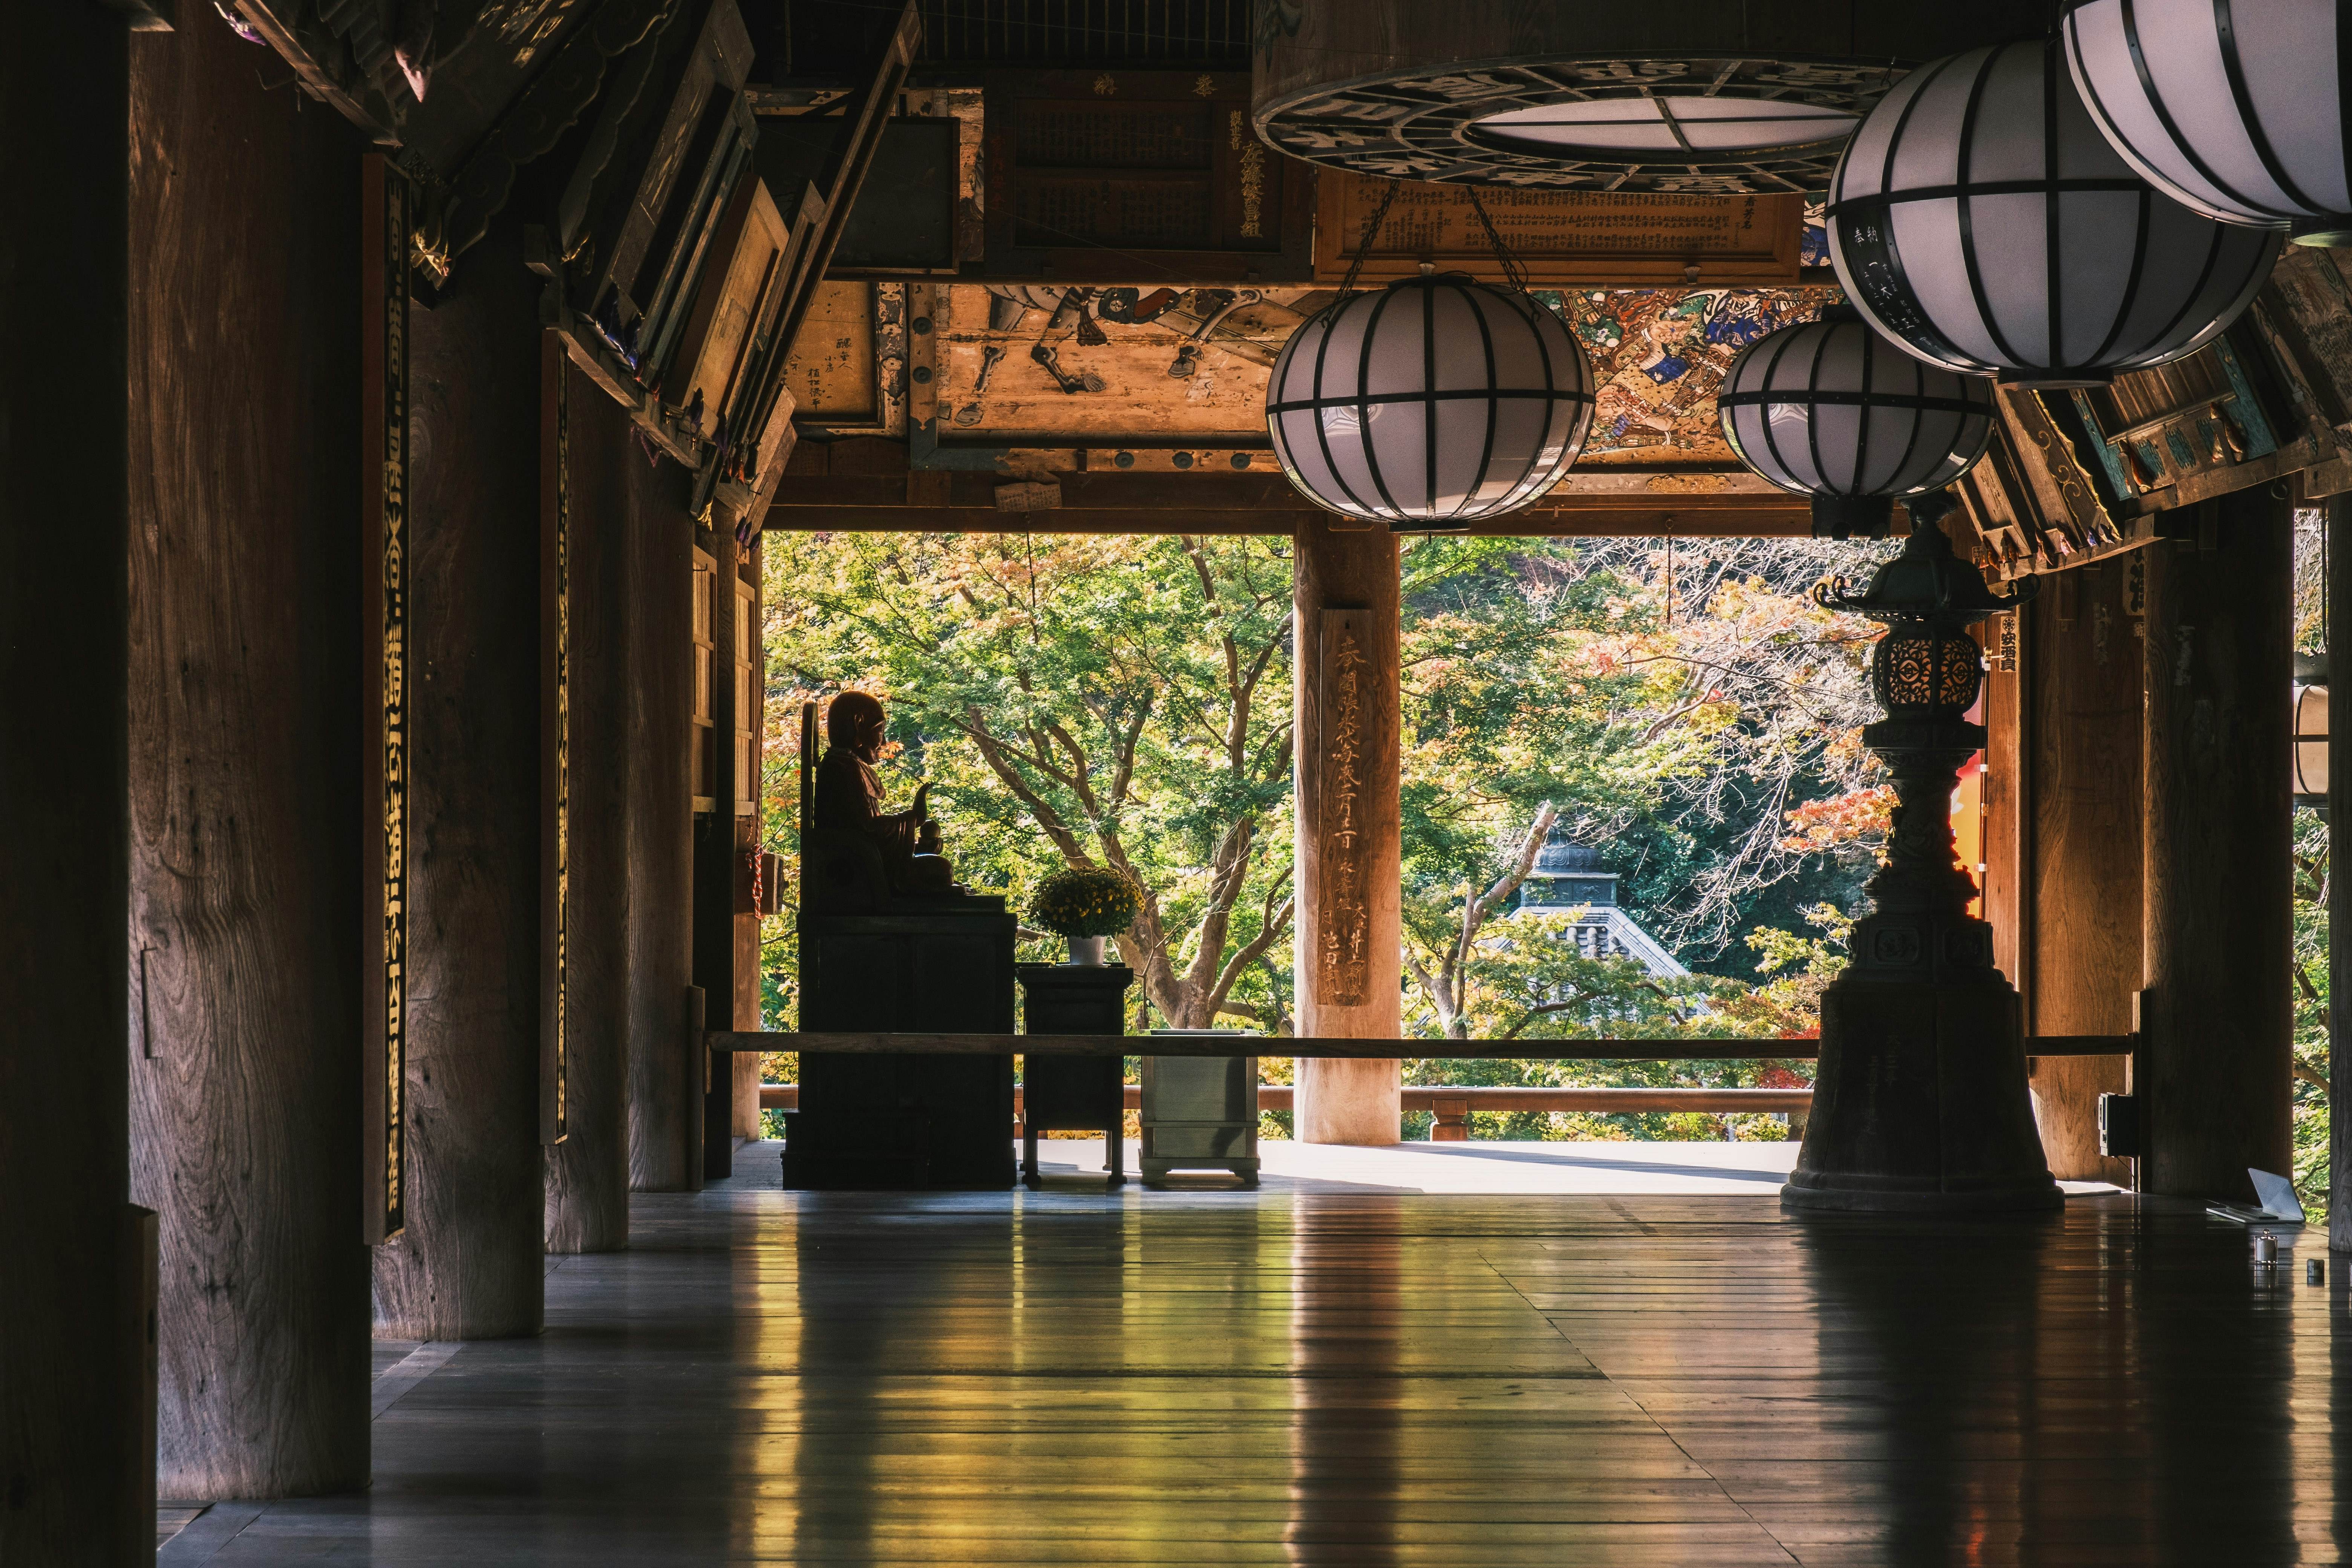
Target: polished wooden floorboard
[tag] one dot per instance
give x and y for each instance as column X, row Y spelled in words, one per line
column 1326, row 1377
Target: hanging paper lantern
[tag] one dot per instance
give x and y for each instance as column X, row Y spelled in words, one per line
column 1979, row 218
column 2234, row 108
column 1432, row 402
column 1832, row 410
column 1687, row 100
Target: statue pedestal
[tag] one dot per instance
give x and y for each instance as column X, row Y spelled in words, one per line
column 1919, row 1103
column 940, row 965
column 1074, row 1094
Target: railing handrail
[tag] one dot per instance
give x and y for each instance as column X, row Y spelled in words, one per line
column 1674, row 1050
column 1485, row 1096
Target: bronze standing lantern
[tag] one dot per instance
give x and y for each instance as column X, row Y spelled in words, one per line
column 1920, row 1101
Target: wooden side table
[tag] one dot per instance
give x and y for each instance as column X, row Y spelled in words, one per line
column 1074, row 1094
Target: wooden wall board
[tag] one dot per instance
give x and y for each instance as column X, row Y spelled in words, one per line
column 1112, row 176
column 836, row 370
column 1562, row 238
column 903, row 223
column 743, row 278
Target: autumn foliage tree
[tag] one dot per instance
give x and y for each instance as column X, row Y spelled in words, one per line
column 1079, row 701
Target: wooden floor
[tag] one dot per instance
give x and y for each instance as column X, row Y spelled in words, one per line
column 1313, row 1376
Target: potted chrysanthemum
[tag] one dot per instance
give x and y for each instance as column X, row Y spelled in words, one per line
column 1085, row 905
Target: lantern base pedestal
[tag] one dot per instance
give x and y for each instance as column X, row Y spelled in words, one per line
column 1919, row 1102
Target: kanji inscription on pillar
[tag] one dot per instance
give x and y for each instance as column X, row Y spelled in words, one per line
column 388, row 215
column 1343, row 840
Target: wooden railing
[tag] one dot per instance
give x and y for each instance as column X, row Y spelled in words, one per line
column 1449, row 1104
column 1670, row 1050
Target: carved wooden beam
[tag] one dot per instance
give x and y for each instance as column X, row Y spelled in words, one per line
column 369, row 94
column 531, row 128
column 853, row 155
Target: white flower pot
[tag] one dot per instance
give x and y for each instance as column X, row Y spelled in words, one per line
column 1086, row 951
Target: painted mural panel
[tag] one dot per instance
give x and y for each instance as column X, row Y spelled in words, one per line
column 1033, row 366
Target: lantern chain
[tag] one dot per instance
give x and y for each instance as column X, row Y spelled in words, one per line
column 1371, row 232
column 1512, row 273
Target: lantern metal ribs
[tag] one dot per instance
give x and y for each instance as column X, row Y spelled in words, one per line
column 1919, row 1100
column 1430, row 404
column 1830, row 409
column 1980, row 218
column 2233, row 108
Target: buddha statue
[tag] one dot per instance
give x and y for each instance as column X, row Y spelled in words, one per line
column 859, row 857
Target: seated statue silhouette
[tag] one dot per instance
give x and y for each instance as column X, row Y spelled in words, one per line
column 860, row 858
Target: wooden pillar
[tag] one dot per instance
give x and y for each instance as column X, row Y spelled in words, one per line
column 470, row 1262
column 2084, row 657
column 752, row 730
column 2006, row 881
column 248, row 922
column 666, row 1108
column 1346, row 684
column 719, row 851
column 588, row 1171
column 2217, row 1013
column 76, row 1445
column 2339, row 893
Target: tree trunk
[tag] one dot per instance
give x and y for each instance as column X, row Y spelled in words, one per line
column 247, row 916
column 2219, row 1012
column 470, row 1263
column 1349, row 952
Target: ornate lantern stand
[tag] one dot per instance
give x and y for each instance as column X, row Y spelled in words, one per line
column 1920, row 1104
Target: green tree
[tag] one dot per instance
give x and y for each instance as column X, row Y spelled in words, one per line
column 1080, row 702
column 1699, row 711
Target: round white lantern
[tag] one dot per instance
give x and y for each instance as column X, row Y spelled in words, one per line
column 2311, row 729
column 1428, row 405
column 1830, row 409
column 2234, row 108
column 1981, row 219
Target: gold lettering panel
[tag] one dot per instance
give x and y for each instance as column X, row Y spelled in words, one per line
column 1343, row 844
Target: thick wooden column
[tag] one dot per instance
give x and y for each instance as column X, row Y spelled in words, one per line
column 246, row 909
column 1346, row 684
column 588, row 1173
column 665, row 1104
column 470, row 1264
column 76, row 1446
column 726, row 835
column 2217, row 1015
column 2339, row 896
column 2083, row 662
column 752, row 724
